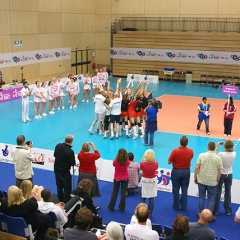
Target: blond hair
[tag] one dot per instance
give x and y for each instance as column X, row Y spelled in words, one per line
column 26, row 187
column 149, row 156
column 15, row 196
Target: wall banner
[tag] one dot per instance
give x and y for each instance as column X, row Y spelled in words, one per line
column 170, row 55
column 32, row 57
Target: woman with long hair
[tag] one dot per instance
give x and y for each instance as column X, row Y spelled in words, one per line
column 228, row 157
column 120, row 163
column 37, row 100
column 15, row 205
column 30, row 192
column 87, row 168
column 149, row 167
column 86, row 87
column 229, row 109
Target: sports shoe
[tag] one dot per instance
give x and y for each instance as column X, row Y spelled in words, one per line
column 213, row 219
column 134, row 191
column 135, row 136
column 70, row 107
column 53, row 109
column 225, row 135
column 111, row 138
column 44, row 114
column 90, row 131
column 100, row 133
column 215, row 213
column 39, row 116
column 145, row 144
column 24, row 121
column 53, row 112
column 104, row 137
column 74, row 106
column 58, row 108
column 36, row 117
column 208, row 133
column 128, row 136
column 151, row 146
column 83, row 100
column 229, row 214
column 141, row 136
column 120, row 134
column 87, row 101
column 63, row 108
column 29, row 120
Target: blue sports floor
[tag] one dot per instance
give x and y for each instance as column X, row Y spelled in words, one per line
column 48, row 131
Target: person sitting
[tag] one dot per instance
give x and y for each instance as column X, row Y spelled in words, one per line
column 83, row 220
column 15, row 205
column 140, row 230
column 134, row 217
column 199, row 230
column 180, row 227
column 114, row 231
column 133, row 173
column 47, row 206
column 30, row 192
column 83, row 190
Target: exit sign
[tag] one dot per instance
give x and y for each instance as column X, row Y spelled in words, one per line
column 18, row 43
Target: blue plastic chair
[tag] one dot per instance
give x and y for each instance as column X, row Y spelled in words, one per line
column 167, row 231
column 17, row 226
column 54, row 221
column 158, row 229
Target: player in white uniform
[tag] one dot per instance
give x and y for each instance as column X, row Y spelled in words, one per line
column 86, row 87
column 101, row 76
column 25, row 93
column 107, row 82
column 52, row 96
column 56, row 91
column 95, row 82
column 37, row 100
column 73, row 90
column 67, row 87
column 44, row 98
column 60, row 92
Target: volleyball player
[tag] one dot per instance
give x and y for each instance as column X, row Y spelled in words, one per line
column 95, row 81
column 44, row 98
column 86, row 87
column 101, row 76
column 60, row 92
column 73, row 89
column 37, row 100
column 67, row 87
column 51, row 96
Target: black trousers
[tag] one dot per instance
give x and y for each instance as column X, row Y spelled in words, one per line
column 42, row 225
column 228, row 126
column 64, row 185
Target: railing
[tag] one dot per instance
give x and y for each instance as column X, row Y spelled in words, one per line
column 179, row 24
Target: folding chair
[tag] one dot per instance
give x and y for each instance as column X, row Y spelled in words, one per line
column 17, row 226
column 167, row 231
column 158, row 229
column 203, row 79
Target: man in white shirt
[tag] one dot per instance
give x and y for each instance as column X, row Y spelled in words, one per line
column 140, row 230
column 25, row 93
column 99, row 109
column 115, row 106
column 22, row 159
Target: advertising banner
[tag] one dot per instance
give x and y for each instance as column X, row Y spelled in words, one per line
column 32, row 57
column 191, row 56
column 10, row 94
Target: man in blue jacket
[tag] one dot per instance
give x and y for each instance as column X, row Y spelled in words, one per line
column 203, row 114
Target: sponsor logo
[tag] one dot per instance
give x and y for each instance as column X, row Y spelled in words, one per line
column 202, row 56
column 5, row 151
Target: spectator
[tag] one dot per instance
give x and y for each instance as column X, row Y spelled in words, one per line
column 199, row 230
column 121, row 164
column 203, row 114
column 134, row 217
column 87, row 168
column 83, row 220
column 30, row 192
column 133, row 173
column 140, row 230
column 180, row 227
column 83, row 190
column 181, row 158
column 114, row 231
column 237, row 216
column 227, row 157
column 64, row 159
column 207, row 174
column 22, row 159
column 149, row 167
column 15, row 205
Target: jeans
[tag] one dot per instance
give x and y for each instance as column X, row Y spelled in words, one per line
column 151, row 137
column 225, row 179
column 206, row 123
column 64, row 185
column 180, row 179
column 150, row 204
column 116, row 185
column 228, row 126
column 211, row 192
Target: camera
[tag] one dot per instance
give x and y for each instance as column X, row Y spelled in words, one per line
column 221, row 143
column 29, row 142
column 90, row 143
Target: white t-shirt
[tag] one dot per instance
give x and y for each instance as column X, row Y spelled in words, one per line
column 99, row 103
column 25, row 91
column 106, row 111
column 142, row 232
column 227, row 161
column 135, row 221
column 115, row 105
column 87, row 83
column 37, row 90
